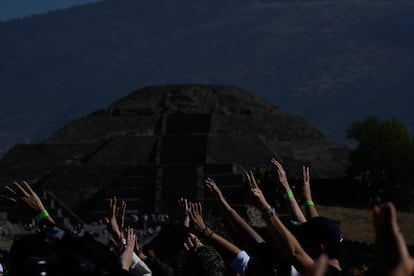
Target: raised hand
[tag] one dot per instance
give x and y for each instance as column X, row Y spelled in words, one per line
column 392, row 257
column 258, row 199
column 306, row 182
column 116, row 218
column 23, row 195
column 281, row 173
column 238, row 224
column 213, row 188
column 294, row 210
column 192, row 241
column 185, row 205
column 196, row 214
column 126, row 256
column 27, row 199
column 218, row 195
column 310, row 206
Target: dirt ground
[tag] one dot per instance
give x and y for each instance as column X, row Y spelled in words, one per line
column 356, row 224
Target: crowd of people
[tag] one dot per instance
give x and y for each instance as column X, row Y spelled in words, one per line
column 300, row 243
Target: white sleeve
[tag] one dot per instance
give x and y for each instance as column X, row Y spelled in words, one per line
column 139, row 266
column 239, row 263
column 294, row 272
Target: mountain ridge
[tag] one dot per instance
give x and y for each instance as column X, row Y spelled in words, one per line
column 330, row 62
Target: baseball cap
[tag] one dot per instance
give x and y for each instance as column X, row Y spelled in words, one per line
column 324, row 231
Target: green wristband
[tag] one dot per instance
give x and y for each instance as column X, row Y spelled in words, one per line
column 310, row 203
column 288, row 195
column 41, row 215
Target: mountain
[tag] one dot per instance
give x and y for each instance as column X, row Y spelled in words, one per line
column 11, row 9
column 330, row 61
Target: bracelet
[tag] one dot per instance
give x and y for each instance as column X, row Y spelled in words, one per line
column 309, row 203
column 41, row 215
column 208, row 235
column 288, row 195
column 204, row 230
column 267, row 215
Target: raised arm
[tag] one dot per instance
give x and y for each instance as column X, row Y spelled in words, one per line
column 228, row 248
column 240, row 225
column 116, row 218
column 126, row 256
column 288, row 244
column 310, row 208
column 28, row 200
column 293, row 207
column 392, row 256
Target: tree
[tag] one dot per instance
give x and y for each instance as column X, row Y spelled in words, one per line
column 383, row 161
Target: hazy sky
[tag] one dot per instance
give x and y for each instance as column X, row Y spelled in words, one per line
column 10, row 9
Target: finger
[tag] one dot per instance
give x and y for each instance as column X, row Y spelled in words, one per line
column 28, row 188
column 195, row 240
column 131, row 236
column 10, row 189
column 190, row 242
column 277, row 164
column 186, row 247
column 106, row 220
column 248, row 178
column 113, row 205
column 192, row 215
column 123, row 209
column 199, row 208
column 249, row 182
column 207, row 183
column 212, row 182
column 9, row 198
column 192, row 211
column 20, row 189
column 195, row 208
column 128, row 234
column 304, row 173
column 254, row 183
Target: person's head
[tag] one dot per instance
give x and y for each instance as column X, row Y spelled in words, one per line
column 321, row 235
column 204, row 261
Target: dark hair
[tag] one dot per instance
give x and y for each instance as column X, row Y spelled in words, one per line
column 205, row 261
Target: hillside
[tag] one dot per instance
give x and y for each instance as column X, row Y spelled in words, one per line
column 329, row 61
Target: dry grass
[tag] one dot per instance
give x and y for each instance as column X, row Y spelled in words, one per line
column 356, row 224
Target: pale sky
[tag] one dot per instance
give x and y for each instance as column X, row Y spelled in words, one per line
column 10, row 9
